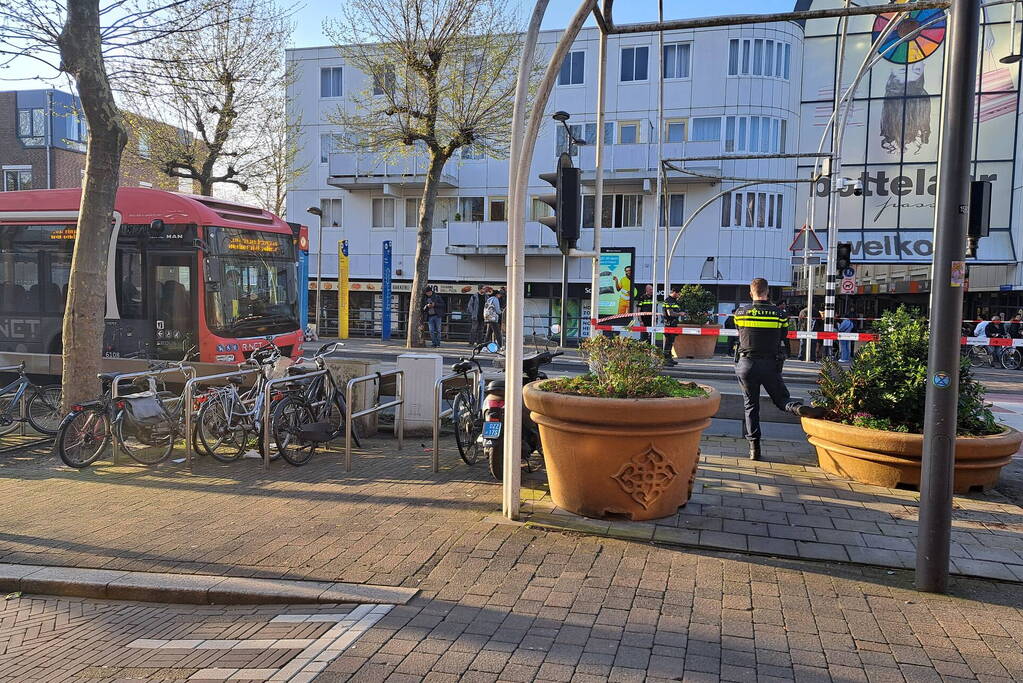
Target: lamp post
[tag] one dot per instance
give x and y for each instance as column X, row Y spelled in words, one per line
column 318, row 212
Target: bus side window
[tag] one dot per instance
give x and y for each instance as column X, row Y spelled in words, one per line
column 129, row 290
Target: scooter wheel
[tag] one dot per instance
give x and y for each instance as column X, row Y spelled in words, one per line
column 494, row 454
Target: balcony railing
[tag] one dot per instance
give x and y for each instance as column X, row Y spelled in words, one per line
column 346, row 166
column 491, row 237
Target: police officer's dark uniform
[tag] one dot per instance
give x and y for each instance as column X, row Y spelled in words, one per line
column 672, row 314
column 645, row 304
column 763, row 329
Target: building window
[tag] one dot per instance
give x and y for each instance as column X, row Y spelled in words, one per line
column 751, row 209
column 590, row 133
column 328, row 146
column 675, row 130
column 143, row 144
column 383, row 82
column 628, row 211
column 383, row 213
column 755, row 134
column 676, row 210
column 17, row 178
column 607, row 212
column 471, row 208
column 759, row 57
column 444, row 209
column 561, row 142
column 32, row 127
column 572, row 69
column 628, row 132
column 498, row 208
column 330, row 81
column 539, row 209
column 705, row 129
column 412, row 212
column 634, row 63
column 331, row 213
column 676, row 60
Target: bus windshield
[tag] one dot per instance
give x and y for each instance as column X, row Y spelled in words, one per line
column 251, row 283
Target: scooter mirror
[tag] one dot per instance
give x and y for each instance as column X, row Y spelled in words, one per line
column 555, row 329
column 492, row 347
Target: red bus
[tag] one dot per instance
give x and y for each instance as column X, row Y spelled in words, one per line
column 182, row 271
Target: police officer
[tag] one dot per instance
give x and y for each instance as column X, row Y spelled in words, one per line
column 763, row 329
column 672, row 315
column 645, row 305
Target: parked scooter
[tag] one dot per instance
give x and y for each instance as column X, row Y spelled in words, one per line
column 493, row 415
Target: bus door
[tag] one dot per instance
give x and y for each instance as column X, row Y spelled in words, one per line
column 172, row 287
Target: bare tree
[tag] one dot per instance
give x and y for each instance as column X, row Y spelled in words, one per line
column 222, row 83
column 279, row 149
column 79, row 38
column 440, row 77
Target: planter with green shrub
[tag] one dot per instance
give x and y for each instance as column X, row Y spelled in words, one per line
column 624, row 439
column 873, row 432
column 697, row 306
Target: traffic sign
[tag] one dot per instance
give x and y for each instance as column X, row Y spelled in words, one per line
column 810, row 260
column 806, row 238
column 848, row 285
column 849, row 272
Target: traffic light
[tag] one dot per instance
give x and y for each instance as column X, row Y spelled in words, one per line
column 843, row 257
column 566, row 202
column 979, row 224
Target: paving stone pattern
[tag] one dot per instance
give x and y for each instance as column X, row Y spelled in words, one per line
column 785, row 505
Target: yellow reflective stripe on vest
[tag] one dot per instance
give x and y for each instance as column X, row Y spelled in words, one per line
column 743, row 322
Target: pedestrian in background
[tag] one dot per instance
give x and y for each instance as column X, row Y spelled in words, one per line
column 845, row 346
column 434, row 309
column 474, row 309
column 493, row 312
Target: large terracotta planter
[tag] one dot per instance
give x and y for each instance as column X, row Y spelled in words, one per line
column 696, row 346
column 628, row 457
column 888, row 459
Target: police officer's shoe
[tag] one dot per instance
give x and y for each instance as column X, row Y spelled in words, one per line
column 803, row 410
column 754, row 450
column 670, row 362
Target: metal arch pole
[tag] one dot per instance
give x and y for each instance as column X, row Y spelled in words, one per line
column 598, row 184
column 522, row 157
column 951, row 213
column 658, row 199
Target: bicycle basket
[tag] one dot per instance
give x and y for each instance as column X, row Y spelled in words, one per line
column 144, row 408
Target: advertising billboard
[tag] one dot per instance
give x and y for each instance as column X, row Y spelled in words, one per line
column 891, row 135
column 617, row 286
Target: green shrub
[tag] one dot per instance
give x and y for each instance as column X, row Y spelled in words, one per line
column 696, row 304
column 886, row 385
column 622, row 368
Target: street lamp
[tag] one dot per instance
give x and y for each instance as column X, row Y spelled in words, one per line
column 318, row 212
column 1013, row 56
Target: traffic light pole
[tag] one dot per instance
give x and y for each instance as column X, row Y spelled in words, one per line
column 564, row 299
column 951, row 215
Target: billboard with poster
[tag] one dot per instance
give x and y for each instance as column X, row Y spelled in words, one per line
column 890, row 139
column 617, row 285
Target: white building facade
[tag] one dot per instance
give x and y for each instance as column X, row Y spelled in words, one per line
column 728, row 92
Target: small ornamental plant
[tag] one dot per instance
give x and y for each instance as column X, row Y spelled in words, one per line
column 885, row 386
column 622, row 368
column 696, row 304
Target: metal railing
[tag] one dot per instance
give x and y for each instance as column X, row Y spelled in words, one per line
column 189, row 400
column 185, row 370
column 398, row 402
column 267, row 393
column 438, row 414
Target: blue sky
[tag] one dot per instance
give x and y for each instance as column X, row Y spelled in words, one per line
column 309, row 24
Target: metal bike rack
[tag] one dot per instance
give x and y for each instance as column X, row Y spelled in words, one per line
column 399, row 402
column 185, row 370
column 438, row 414
column 189, row 399
column 267, row 391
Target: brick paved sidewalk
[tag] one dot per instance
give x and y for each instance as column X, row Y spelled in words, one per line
column 786, row 506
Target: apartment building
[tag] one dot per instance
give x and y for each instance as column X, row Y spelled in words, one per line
column 43, row 136
column 729, row 92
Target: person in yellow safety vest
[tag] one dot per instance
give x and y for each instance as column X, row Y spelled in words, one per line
column 759, row 358
column 672, row 316
column 624, row 287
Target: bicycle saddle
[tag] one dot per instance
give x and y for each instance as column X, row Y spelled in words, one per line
column 299, row 370
column 236, row 380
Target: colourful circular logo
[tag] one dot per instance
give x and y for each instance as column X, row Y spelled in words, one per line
column 924, row 41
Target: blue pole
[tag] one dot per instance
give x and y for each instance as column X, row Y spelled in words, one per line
column 385, row 294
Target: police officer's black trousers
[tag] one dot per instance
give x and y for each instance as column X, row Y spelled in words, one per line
column 669, row 344
column 754, row 373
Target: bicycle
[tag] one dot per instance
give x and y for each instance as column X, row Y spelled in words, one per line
column 323, row 400
column 144, row 424
column 23, row 401
column 228, row 418
column 467, row 407
column 980, row 356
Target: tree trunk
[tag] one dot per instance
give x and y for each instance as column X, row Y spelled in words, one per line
column 424, row 245
column 82, row 57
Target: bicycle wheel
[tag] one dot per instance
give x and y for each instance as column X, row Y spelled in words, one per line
column 333, row 412
column 83, row 436
column 146, row 444
column 468, row 421
column 9, row 414
column 219, row 437
column 290, row 414
column 979, row 356
column 44, row 409
column 1011, row 359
